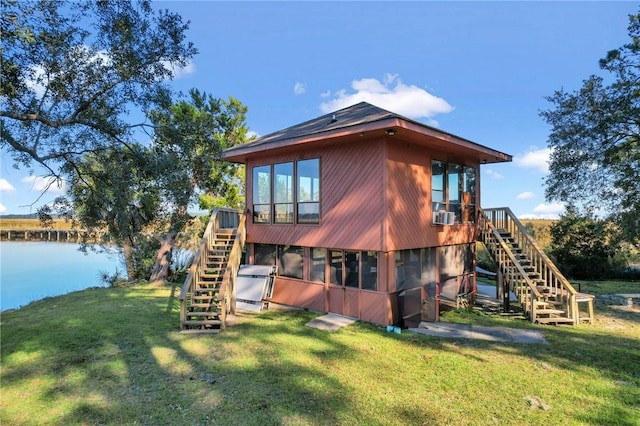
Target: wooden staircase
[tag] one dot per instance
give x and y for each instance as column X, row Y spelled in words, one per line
column 208, row 293
column 545, row 295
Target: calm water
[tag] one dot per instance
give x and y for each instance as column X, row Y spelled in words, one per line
column 33, row 270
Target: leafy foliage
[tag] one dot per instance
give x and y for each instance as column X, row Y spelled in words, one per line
column 595, row 139
column 585, row 247
column 85, row 95
column 73, row 85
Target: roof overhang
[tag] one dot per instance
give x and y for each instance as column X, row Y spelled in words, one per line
column 391, row 127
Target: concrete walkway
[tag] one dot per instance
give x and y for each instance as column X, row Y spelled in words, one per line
column 468, row 331
column 334, row 322
column 330, row 322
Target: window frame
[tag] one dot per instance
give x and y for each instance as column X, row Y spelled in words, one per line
column 287, row 211
column 459, row 175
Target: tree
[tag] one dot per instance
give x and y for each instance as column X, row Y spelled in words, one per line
column 85, row 95
column 189, row 139
column 75, row 74
column 141, row 193
column 586, row 247
column 595, row 139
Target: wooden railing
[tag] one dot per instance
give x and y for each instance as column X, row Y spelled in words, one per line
column 221, row 219
column 554, row 281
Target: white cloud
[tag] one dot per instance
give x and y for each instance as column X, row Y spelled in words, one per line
column 525, row 195
column 325, row 94
column 391, row 94
column 299, row 88
column 48, row 184
column 493, row 174
column 5, row 186
column 179, row 71
column 545, row 211
column 2, row 208
column 537, row 159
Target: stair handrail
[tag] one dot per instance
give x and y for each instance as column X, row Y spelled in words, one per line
column 221, row 218
column 227, row 294
column 543, row 265
column 536, row 250
column 505, row 247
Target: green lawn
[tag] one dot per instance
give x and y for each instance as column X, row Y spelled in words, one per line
column 114, row 356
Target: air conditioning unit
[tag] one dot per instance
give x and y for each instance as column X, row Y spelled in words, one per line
column 442, row 217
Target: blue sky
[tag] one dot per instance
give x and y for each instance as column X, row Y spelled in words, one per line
column 480, row 70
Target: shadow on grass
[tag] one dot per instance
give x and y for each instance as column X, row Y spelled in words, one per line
column 114, row 356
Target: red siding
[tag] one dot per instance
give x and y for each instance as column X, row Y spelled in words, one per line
column 299, row 293
column 352, row 200
column 409, row 214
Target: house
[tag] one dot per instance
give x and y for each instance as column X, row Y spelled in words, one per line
column 365, row 213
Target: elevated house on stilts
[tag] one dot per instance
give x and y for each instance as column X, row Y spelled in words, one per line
column 368, row 214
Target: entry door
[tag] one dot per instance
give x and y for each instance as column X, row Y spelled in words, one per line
column 344, row 281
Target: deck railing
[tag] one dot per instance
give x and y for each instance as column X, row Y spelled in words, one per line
column 503, row 219
column 221, row 219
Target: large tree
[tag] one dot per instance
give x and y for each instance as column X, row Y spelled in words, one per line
column 595, row 139
column 143, row 193
column 85, row 95
column 79, row 76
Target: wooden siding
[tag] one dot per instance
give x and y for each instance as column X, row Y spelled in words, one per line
column 408, row 201
column 352, row 199
column 298, row 293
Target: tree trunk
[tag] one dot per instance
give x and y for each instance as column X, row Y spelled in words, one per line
column 127, row 250
column 160, row 271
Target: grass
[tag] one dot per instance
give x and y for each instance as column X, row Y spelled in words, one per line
column 32, row 224
column 115, row 356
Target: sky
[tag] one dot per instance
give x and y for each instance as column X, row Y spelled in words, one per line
column 479, row 70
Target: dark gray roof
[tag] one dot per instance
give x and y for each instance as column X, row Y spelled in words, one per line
column 359, row 114
column 362, row 113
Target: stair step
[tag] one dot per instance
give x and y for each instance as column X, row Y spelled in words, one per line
column 203, row 305
column 554, row 320
column 549, row 311
column 202, row 314
column 201, row 331
column 203, row 322
column 203, row 298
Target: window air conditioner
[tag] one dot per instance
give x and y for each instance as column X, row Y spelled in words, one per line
column 442, row 217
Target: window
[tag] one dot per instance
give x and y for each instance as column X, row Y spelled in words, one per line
column 283, row 193
column 262, row 194
column 264, row 254
column 369, row 270
column 335, row 258
column 352, row 267
column 299, row 198
column 356, row 269
column 308, row 178
column 290, row 261
column 318, row 261
column 453, row 191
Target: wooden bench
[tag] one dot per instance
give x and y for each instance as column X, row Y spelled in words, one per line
column 588, row 299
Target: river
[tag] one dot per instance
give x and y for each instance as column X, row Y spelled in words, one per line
column 34, row 270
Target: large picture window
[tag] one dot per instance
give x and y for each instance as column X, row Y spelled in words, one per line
column 453, row 191
column 281, row 198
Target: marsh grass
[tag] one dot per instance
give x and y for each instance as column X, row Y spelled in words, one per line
column 33, row 223
column 115, row 356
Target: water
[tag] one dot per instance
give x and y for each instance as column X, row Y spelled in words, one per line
column 34, row 270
